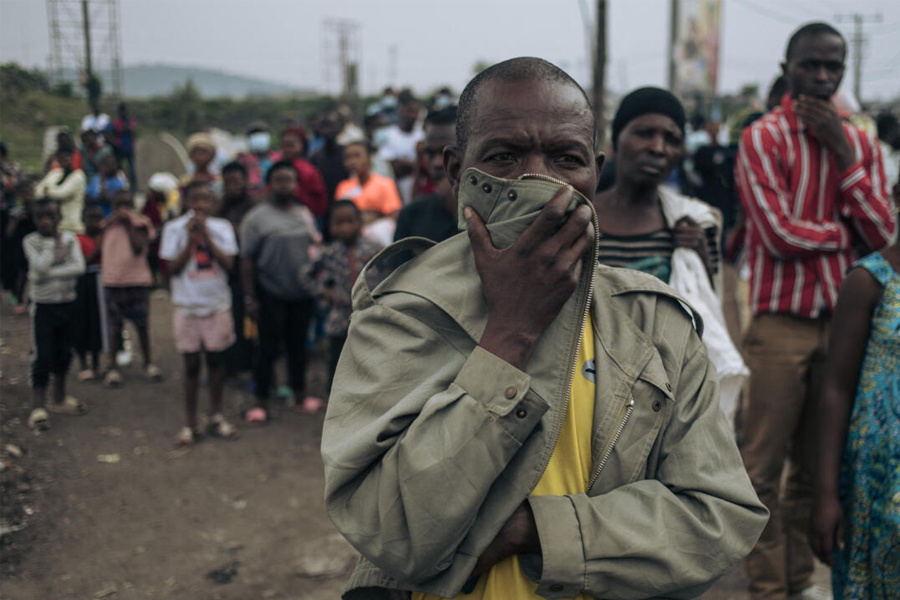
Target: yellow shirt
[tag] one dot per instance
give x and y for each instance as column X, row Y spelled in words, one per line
column 568, row 472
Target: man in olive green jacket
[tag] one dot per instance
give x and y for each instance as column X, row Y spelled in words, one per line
column 454, row 383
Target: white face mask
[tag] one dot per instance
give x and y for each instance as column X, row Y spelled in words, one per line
column 259, row 142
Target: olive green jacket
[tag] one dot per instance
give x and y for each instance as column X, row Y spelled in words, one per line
column 430, row 443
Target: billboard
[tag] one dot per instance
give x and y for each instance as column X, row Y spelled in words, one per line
column 697, row 46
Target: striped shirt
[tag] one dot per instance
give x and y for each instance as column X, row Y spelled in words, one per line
column 649, row 252
column 806, row 221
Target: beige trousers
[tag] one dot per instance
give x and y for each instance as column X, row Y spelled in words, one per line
column 786, row 356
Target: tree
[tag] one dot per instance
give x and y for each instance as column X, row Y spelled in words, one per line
column 14, row 80
column 479, row 66
column 185, row 107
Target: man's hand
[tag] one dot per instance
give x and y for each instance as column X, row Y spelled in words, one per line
column 251, row 309
column 60, row 251
column 519, row 535
column 824, row 122
column 827, row 528
column 123, row 216
column 198, row 232
column 526, row 284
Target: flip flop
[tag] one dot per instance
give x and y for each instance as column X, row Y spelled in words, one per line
column 219, row 427
column 185, row 437
column 256, row 416
column 69, row 406
column 39, row 420
column 312, row 405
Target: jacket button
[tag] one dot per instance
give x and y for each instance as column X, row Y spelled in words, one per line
column 512, row 195
column 510, row 392
column 657, row 405
column 487, row 188
column 556, row 587
column 521, row 413
column 668, row 386
column 473, row 180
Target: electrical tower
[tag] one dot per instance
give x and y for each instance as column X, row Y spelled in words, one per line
column 859, row 41
column 84, row 41
column 342, row 56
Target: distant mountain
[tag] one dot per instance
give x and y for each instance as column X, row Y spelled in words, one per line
column 144, row 81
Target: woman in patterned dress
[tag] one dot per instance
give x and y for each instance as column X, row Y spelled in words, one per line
column 856, row 518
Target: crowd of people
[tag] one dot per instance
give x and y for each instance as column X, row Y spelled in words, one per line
column 434, row 386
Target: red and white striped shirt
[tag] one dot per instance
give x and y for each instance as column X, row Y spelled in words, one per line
column 805, row 219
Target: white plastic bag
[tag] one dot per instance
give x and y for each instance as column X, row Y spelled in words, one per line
column 690, row 280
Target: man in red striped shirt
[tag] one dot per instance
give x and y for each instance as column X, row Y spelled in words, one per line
column 816, row 199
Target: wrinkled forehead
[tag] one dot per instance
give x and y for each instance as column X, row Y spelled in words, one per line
column 502, row 105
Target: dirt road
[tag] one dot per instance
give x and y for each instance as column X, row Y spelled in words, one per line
column 229, row 520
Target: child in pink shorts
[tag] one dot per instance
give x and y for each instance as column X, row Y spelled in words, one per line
column 200, row 251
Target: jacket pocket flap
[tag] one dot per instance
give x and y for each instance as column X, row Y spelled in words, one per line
column 655, row 374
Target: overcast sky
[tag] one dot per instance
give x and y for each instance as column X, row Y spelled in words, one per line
column 437, row 42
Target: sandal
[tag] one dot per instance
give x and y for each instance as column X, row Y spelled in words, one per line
column 186, row 437
column 256, row 416
column 153, row 373
column 113, row 378
column 219, row 427
column 312, row 405
column 69, row 406
column 39, row 420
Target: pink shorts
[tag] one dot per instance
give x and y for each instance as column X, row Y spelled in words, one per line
column 214, row 333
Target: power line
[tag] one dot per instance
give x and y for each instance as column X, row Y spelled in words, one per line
column 766, row 12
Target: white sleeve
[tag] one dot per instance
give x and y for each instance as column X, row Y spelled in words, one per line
column 172, row 242
column 225, row 238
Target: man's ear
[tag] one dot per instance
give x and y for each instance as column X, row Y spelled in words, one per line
column 600, row 160
column 453, row 167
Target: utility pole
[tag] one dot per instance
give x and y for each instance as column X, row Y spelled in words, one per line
column 86, row 24
column 859, row 40
column 84, row 39
column 672, row 78
column 599, row 87
column 344, row 34
column 392, row 65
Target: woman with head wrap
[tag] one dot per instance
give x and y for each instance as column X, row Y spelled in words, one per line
column 311, row 188
column 641, row 221
column 645, row 225
column 201, row 150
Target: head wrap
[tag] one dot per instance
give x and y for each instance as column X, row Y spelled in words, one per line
column 646, row 101
column 298, row 131
column 201, row 140
column 164, row 183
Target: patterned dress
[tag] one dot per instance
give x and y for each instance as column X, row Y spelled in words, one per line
column 869, row 565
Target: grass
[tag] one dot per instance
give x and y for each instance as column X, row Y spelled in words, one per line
column 25, row 117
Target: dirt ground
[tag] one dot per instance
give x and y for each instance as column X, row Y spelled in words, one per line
column 229, row 520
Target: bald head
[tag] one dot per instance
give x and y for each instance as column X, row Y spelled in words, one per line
column 514, row 70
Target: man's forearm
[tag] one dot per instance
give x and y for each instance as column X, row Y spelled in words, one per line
column 248, row 277
column 383, row 471
column 139, row 238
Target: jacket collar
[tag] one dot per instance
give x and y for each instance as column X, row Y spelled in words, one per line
column 508, row 207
